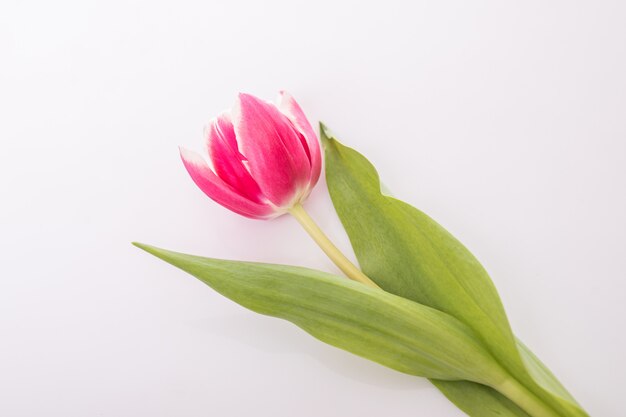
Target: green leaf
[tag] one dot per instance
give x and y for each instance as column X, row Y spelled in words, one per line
column 391, row 330
column 410, row 255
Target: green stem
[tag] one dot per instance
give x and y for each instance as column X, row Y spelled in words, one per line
column 329, row 248
column 525, row 399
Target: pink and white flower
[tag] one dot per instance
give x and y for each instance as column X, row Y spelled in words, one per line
column 262, row 158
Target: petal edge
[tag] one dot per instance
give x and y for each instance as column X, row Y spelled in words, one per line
column 219, row 191
column 290, row 108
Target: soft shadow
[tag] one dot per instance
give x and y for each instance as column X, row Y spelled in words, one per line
column 280, row 337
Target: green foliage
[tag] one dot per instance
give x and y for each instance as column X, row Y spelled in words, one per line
column 438, row 314
column 371, row 323
column 408, row 254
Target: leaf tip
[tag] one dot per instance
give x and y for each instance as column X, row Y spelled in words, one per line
column 140, row 245
column 153, row 250
column 324, row 134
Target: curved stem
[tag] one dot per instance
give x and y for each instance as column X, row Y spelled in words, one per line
column 329, row 248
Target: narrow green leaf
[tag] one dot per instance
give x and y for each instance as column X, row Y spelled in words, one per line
column 391, row 330
column 410, row 255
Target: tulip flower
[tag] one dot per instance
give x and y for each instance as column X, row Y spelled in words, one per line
column 265, row 158
column 263, row 161
column 441, row 317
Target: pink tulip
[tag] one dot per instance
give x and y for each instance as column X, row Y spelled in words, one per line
column 264, row 159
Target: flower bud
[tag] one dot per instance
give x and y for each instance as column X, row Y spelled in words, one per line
column 262, row 158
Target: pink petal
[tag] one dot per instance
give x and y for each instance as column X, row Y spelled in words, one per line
column 288, row 106
column 220, row 191
column 227, row 161
column 276, row 157
column 225, row 125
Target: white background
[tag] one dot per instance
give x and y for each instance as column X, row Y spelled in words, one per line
column 505, row 121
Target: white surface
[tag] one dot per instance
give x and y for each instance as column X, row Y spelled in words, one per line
column 504, row 121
